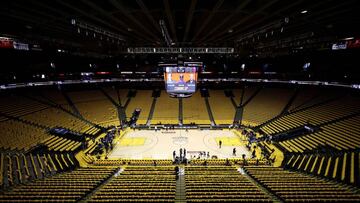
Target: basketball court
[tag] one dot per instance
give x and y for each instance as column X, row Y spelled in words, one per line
column 146, row 144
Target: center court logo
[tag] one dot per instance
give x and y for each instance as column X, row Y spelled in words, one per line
column 180, row 140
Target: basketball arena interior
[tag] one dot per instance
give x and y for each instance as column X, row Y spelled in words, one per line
column 179, row 101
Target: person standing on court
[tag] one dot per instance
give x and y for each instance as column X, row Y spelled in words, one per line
column 254, row 154
column 234, row 152
column 220, row 143
column 181, row 150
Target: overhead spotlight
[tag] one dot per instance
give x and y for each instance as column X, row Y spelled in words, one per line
column 73, row 22
column 165, row 33
column 243, row 66
column 230, row 30
column 286, row 20
column 348, row 38
column 303, row 11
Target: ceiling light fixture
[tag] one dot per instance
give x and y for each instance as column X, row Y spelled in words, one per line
column 348, row 38
column 96, row 31
column 165, row 33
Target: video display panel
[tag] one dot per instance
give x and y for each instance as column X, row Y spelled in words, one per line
column 180, row 79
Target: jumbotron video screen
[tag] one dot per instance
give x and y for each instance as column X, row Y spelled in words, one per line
column 180, row 79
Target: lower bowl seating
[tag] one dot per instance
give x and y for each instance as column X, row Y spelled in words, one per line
column 220, row 183
column 140, row 183
column 66, row 187
column 296, row 187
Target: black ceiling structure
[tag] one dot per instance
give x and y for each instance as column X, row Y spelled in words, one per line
column 192, row 23
column 282, row 39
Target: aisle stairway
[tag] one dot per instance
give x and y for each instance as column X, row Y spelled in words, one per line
column 71, row 104
column 208, row 108
column 87, row 197
column 265, row 190
column 181, row 116
column 151, row 112
column 180, row 196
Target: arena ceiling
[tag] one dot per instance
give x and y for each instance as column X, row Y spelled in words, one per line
column 189, row 22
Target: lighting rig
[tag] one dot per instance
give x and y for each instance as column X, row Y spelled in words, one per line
column 165, row 33
column 264, row 32
column 96, row 32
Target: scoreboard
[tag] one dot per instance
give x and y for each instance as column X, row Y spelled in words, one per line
column 180, row 79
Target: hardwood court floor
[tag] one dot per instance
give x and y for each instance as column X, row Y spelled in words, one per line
column 146, row 144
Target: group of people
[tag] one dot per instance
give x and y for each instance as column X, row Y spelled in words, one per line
column 105, row 143
column 249, row 135
column 201, row 155
column 107, row 140
column 165, row 127
column 251, row 138
column 267, row 138
column 182, row 156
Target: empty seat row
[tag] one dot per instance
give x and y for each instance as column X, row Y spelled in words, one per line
column 341, row 166
column 315, row 115
column 153, row 183
column 294, row 186
column 221, row 107
column 18, row 168
column 342, row 135
column 267, row 104
column 87, row 102
column 58, row 187
column 221, row 183
column 16, row 135
column 56, row 143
